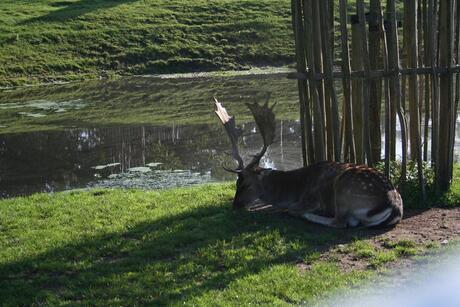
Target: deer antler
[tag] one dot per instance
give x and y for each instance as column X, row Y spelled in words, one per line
column 233, row 132
column 265, row 120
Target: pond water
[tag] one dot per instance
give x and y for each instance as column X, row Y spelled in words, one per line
column 139, row 132
column 135, row 133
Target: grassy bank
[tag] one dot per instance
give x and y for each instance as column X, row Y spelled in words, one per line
column 48, row 40
column 172, row 247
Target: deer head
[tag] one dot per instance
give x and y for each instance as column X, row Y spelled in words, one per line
column 249, row 187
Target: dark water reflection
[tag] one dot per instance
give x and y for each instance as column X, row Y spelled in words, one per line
column 137, row 132
column 189, row 154
column 132, row 123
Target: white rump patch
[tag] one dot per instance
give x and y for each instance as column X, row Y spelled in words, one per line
column 326, row 221
column 394, row 197
column 378, row 218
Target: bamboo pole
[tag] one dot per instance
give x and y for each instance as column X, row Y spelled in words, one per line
column 328, row 64
column 346, row 83
column 328, row 95
column 433, row 43
column 317, row 110
column 297, row 26
column 457, row 80
column 393, row 105
column 411, row 57
column 365, row 53
column 386, row 90
column 357, row 90
column 393, row 56
column 426, row 61
column 375, row 85
column 414, row 109
column 420, row 33
column 318, row 62
column 454, row 90
column 446, row 94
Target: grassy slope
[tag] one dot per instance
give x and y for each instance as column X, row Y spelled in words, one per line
column 46, row 40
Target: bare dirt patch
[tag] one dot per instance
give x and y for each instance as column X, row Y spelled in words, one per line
column 431, row 225
column 419, row 232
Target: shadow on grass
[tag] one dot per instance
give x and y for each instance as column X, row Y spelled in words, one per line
column 168, row 260
column 73, row 9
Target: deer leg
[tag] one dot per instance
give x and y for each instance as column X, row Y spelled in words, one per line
column 325, row 221
column 309, row 203
column 328, row 202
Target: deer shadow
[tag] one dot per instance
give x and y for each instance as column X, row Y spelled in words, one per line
column 71, row 10
column 168, row 260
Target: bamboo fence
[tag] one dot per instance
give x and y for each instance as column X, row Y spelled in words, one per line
column 398, row 65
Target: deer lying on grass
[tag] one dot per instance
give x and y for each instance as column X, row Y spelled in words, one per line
column 329, row 193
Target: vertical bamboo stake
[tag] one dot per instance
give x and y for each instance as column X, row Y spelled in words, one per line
column 348, row 110
column 393, row 57
column 328, row 64
column 446, row 94
column 433, row 46
column 393, row 100
column 453, row 115
column 365, row 52
column 317, row 110
column 318, row 61
column 426, row 60
column 357, row 89
column 457, row 80
column 328, row 95
column 375, row 89
column 422, row 77
column 414, row 109
column 297, row 26
column 386, row 87
column 331, row 24
column 410, row 47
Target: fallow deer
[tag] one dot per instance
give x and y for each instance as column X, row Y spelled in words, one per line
column 329, row 193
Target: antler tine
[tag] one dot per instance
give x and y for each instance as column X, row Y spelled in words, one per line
column 233, row 132
column 265, row 120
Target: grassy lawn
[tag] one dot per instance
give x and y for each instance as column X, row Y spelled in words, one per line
column 171, row 247
column 48, row 40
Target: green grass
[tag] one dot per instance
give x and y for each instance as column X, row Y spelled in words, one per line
column 55, row 40
column 49, row 40
column 377, row 257
column 171, row 247
column 174, row 247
